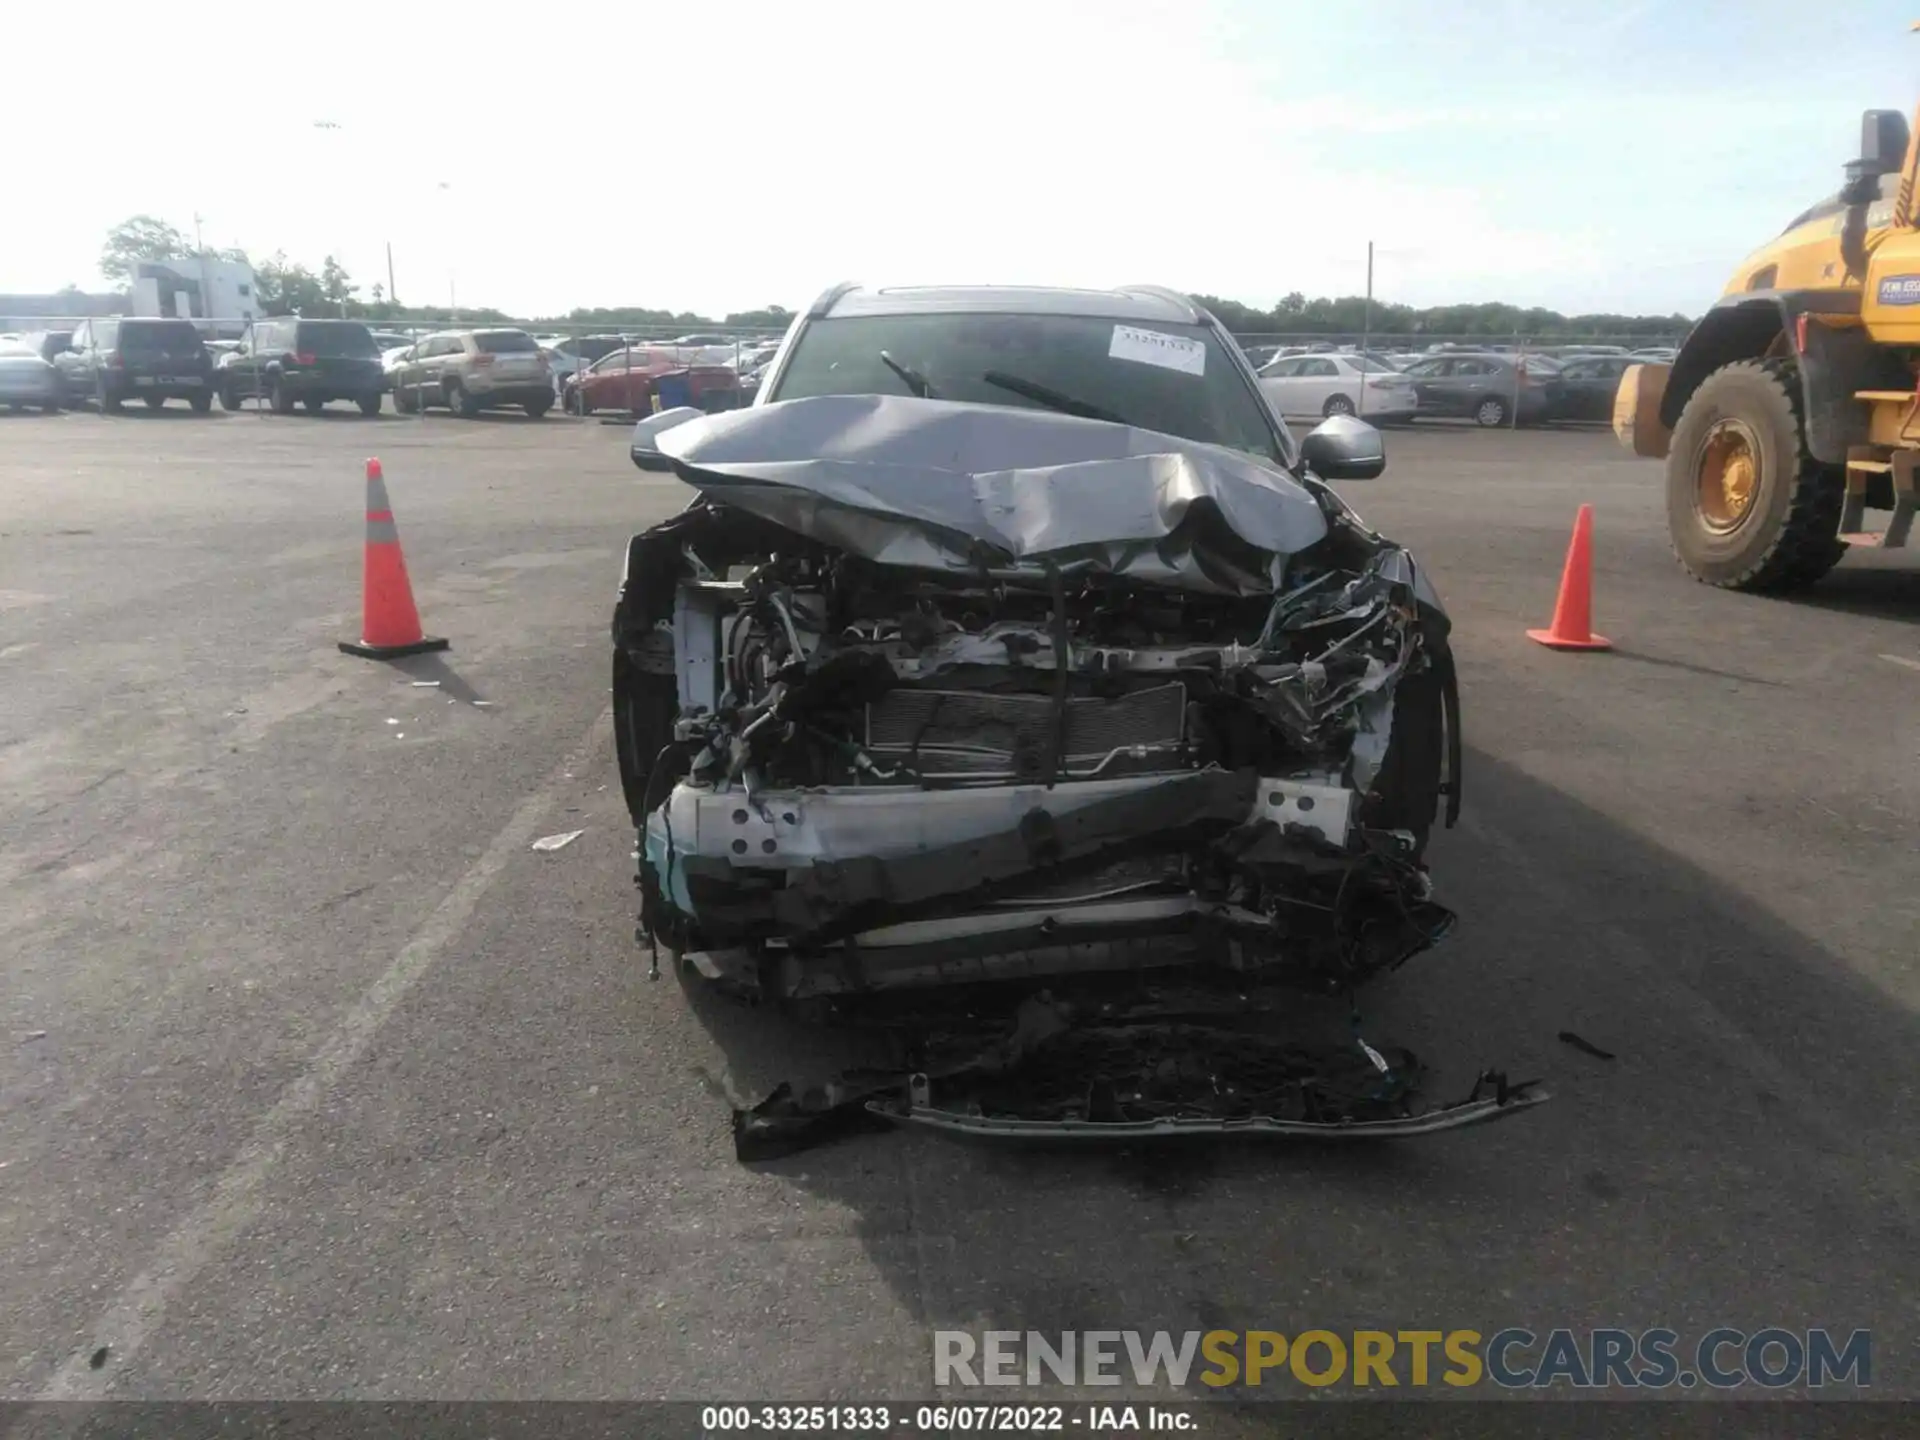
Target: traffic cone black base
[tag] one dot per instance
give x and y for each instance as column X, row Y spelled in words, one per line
column 394, row 652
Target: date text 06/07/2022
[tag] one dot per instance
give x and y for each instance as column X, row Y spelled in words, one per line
column 946, row 1419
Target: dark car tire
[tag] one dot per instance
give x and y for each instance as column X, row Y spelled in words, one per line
column 537, row 409
column 1789, row 534
column 1490, row 412
column 154, row 402
column 314, row 404
column 51, row 405
column 370, row 404
column 1336, row 405
column 202, row 403
column 458, row 401
column 229, row 400
column 103, row 394
column 282, row 401
column 404, row 400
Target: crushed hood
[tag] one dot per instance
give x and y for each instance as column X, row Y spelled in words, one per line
column 933, row 484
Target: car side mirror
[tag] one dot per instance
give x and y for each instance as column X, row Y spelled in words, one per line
column 1343, row 448
column 644, row 449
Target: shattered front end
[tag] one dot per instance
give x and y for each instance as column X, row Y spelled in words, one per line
column 954, row 710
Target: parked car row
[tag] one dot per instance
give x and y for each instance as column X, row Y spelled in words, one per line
column 291, row 362
column 1491, row 388
column 287, row 363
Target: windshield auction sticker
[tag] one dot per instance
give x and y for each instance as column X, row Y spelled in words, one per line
column 1150, row 347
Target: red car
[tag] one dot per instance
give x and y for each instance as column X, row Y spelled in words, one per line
column 625, row 380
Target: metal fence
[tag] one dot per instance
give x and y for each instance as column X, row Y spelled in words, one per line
column 1404, row 343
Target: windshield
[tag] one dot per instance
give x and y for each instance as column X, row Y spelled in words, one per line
column 1145, row 374
column 341, row 340
column 505, row 342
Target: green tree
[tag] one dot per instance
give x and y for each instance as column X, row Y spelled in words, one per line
column 288, row 288
column 140, row 237
column 1241, row 319
column 773, row 317
column 336, row 288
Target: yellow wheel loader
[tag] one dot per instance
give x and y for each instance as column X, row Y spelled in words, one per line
column 1791, row 409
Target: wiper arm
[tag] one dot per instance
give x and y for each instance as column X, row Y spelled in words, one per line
column 915, row 381
column 1051, row 398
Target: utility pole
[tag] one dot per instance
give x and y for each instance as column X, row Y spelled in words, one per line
column 200, row 254
column 1366, row 329
column 446, row 220
column 392, row 299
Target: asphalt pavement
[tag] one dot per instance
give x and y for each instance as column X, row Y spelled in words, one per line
column 318, row 1081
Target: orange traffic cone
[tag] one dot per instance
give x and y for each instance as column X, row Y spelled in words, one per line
column 1572, row 627
column 389, row 622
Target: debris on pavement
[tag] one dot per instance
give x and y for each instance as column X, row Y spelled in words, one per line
column 98, row 1359
column 1585, row 1046
column 35, row 1035
column 426, row 684
column 558, row 842
column 1096, row 1068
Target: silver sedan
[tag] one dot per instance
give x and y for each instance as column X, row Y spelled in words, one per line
column 26, row 379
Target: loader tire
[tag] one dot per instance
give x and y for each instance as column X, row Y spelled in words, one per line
column 1748, row 508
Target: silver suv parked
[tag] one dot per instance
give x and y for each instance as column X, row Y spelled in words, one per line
column 473, row 370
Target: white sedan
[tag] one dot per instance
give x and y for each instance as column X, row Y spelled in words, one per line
column 1322, row 385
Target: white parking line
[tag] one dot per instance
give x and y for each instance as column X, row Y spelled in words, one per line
column 133, row 1317
column 1903, row 660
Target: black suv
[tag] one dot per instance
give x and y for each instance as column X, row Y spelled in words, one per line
column 153, row 360
column 306, row 362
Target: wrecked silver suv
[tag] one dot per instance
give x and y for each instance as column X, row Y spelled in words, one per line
column 1013, row 685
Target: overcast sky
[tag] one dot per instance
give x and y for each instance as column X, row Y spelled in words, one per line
column 1609, row 156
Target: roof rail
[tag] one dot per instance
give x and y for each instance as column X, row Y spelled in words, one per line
column 829, row 297
column 1172, row 297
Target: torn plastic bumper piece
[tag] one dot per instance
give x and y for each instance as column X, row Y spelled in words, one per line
column 1478, row 1108
column 785, row 1123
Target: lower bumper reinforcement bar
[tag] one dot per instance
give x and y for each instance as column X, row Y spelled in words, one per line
column 1477, row 1109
